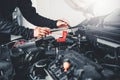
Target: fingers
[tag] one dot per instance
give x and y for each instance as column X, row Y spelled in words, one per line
column 62, row 23
column 40, row 32
column 64, row 20
column 46, row 30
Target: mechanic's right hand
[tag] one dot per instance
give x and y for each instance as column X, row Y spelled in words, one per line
column 39, row 32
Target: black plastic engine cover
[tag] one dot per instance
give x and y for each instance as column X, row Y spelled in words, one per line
column 81, row 68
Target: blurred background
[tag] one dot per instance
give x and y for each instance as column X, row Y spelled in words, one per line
column 74, row 11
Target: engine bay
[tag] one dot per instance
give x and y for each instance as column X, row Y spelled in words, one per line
column 88, row 52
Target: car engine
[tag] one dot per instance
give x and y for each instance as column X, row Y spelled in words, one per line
column 90, row 51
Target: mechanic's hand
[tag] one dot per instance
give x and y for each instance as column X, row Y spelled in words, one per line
column 39, row 32
column 62, row 23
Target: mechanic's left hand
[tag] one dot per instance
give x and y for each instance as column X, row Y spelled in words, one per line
column 62, row 24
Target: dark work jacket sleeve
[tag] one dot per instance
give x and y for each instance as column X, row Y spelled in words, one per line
column 13, row 28
column 30, row 14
